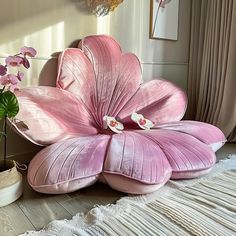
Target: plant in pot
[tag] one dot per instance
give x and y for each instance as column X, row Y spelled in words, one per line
column 10, row 178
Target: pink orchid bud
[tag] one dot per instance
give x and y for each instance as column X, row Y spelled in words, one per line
column 28, row 51
column 3, row 70
column 20, row 76
column 14, row 61
column 26, row 63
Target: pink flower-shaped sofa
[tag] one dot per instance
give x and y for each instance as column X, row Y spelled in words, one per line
column 98, row 81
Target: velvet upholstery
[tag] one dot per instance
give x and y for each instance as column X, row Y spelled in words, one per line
column 95, row 81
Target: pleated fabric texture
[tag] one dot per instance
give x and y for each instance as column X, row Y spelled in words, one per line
column 99, row 80
column 211, row 78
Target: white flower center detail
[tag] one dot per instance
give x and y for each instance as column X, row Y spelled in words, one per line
column 113, row 124
column 141, row 121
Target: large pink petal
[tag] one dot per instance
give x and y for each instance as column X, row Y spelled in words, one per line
column 76, row 75
column 117, row 76
column 187, row 156
column 51, row 115
column 137, row 158
column 128, row 82
column 68, row 165
column 206, row 133
column 158, row 100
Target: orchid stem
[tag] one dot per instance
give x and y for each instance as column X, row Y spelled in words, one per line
column 2, row 133
column 5, row 143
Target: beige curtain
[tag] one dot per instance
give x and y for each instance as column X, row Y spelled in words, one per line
column 212, row 64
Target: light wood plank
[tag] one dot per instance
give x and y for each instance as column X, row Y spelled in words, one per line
column 85, row 199
column 29, row 193
column 13, row 221
column 41, row 211
column 226, row 150
column 42, row 208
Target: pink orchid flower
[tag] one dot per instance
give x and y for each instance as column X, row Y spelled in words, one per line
column 113, row 124
column 28, row 51
column 96, row 80
column 9, row 79
column 14, row 61
column 3, row 70
column 141, row 121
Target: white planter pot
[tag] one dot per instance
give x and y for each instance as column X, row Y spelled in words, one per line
column 11, row 186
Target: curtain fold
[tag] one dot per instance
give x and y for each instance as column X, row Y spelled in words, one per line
column 212, row 64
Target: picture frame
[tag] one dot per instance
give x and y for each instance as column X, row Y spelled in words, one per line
column 164, row 19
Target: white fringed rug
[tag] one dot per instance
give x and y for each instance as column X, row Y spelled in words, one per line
column 202, row 207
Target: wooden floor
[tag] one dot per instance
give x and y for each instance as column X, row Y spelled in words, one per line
column 34, row 210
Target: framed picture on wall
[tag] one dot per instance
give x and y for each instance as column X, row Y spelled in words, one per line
column 164, row 19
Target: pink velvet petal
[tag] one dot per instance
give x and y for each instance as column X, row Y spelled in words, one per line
column 187, row 156
column 48, row 115
column 206, row 133
column 117, row 76
column 68, row 165
column 128, row 82
column 158, row 100
column 137, row 158
column 76, row 75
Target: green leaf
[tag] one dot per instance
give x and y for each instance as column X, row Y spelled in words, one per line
column 9, row 106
